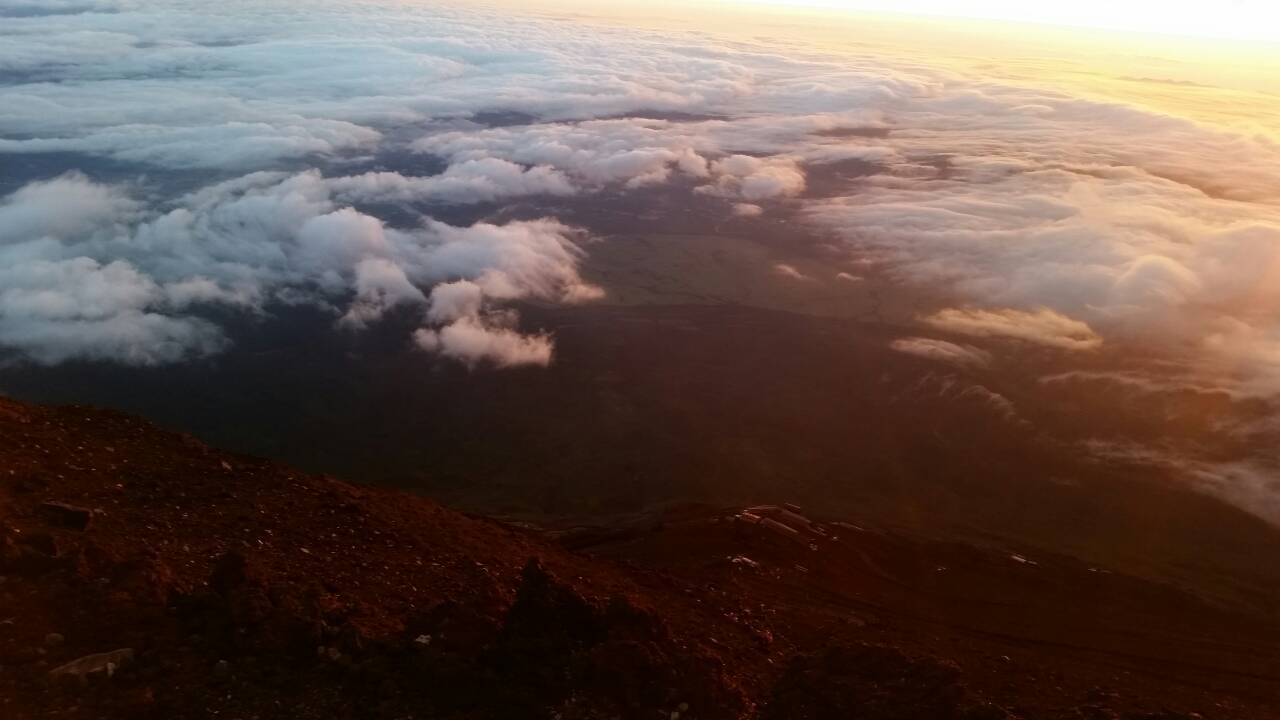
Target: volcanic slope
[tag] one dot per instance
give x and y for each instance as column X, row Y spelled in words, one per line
column 144, row 574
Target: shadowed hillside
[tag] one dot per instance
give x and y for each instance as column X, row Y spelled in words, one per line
column 147, row 575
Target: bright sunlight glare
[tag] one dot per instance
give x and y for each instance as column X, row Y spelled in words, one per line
column 1235, row 19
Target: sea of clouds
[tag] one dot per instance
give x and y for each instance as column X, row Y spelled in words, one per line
column 1023, row 200
column 194, row 158
column 1053, row 218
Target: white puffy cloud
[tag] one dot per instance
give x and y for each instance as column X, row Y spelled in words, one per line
column 634, row 152
column 79, row 309
column 471, row 181
column 469, row 333
column 593, row 154
column 455, row 300
column 108, row 280
column 57, row 304
column 530, row 259
column 198, row 290
column 65, row 207
column 380, row 285
column 754, row 179
column 329, row 246
column 472, row 341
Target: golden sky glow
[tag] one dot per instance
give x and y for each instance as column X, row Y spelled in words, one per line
column 1175, row 61
column 1240, row 19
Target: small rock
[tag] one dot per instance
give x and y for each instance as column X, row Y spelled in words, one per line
column 683, row 707
column 222, row 669
column 68, row 516
column 99, row 664
column 54, row 639
column 334, row 654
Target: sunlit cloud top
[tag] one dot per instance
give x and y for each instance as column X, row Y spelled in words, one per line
column 170, row 171
column 1240, row 19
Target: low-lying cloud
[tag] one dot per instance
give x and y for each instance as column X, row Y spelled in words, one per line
column 943, row 351
column 167, row 162
column 1042, row 327
column 112, row 281
column 1012, row 198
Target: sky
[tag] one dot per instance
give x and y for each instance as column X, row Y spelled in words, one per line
column 1239, row 19
column 166, row 163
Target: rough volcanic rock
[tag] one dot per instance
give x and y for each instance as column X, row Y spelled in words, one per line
column 245, row 589
column 556, row 646
column 868, row 682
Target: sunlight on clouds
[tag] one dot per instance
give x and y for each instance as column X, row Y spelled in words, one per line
column 1245, row 19
column 1050, row 194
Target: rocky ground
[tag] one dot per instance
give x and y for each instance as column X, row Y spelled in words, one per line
column 143, row 574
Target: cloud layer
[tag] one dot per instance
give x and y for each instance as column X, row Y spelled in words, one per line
column 113, row 281
column 1011, row 197
column 165, row 162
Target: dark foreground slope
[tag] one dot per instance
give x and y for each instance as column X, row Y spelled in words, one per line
column 146, row 575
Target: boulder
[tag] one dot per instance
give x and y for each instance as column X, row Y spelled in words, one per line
column 64, row 515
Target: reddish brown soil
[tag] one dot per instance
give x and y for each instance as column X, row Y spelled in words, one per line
column 249, row 590
column 1037, row 634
